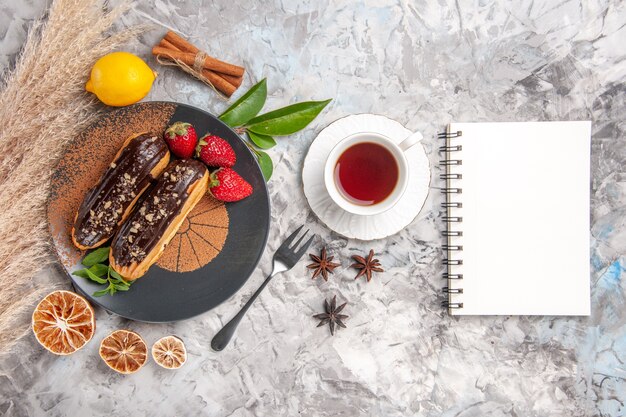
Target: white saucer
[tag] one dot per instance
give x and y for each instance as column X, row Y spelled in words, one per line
column 355, row 226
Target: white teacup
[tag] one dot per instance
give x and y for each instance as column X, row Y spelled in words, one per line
column 397, row 150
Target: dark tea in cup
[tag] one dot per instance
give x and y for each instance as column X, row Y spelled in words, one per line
column 366, row 173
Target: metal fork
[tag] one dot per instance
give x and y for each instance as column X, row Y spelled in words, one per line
column 284, row 259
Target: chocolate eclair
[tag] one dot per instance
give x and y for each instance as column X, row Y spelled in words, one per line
column 142, row 239
column 106, row 206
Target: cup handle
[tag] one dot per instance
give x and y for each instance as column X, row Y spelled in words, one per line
column 411, row 140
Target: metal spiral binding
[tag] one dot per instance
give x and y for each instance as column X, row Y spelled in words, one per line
column 447, row 290
column 455, row 148
column 448, row 161
column 447, row 304
column 450, row 135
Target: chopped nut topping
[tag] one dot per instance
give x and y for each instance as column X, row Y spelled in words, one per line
column 156, row 200
column 133, row 230
column 107, row 204
column 127, row 176
column 150, row 217
column 113, row 165
column 174, row 176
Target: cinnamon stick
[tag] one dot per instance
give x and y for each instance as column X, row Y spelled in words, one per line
column 173, row 40
column 220, row 81
column 236, row 81
column 167, row 44
column 208, row 63
column 179, row 42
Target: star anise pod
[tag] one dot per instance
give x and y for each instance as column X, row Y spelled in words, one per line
column 366, row 265
column 322, row 265
column 332, row 316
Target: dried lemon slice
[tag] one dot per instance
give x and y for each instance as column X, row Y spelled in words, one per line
column 124, row 351
column 169, row 352
column 63, row 322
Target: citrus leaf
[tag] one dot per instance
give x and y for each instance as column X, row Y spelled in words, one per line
column 265, row 162
column 262, row 141
column 247, row 106
column 121, row 287
column 286, row 120
column 96, row 278
column 99, row 269
column 97, row 256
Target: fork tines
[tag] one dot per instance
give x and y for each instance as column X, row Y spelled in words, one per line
column 292, row 248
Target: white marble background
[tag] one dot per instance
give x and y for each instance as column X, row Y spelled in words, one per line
column 424, row 63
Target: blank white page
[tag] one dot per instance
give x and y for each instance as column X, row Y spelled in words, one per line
column 525, row 218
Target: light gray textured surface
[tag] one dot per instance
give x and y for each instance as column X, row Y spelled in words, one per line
column 425, row 64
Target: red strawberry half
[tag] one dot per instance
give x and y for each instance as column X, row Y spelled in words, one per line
column 227, row 185
column 215, row 152
column 182, row 139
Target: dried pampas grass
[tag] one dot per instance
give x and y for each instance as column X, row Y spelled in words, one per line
column 43, row 105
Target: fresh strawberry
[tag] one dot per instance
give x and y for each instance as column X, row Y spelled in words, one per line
column 215, row 152
column 182, row 139
column 227, row 185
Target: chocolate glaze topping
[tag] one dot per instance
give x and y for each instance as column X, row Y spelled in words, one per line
column 147, row 224
column 104, row 205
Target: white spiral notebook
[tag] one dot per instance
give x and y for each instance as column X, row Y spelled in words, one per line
column 517, row 214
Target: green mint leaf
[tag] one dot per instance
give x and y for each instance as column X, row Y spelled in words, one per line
column 248, row 106
column 81, row 273
column 96, row 278
column 262, row 141
column 121, row 287
column 97, row 256
column 286, row 120
column 118, row 277
column 99, row 269
column 101, row 292
column 114, row 274
column 265, row 162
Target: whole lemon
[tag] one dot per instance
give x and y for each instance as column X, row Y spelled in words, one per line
column 120, row 79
